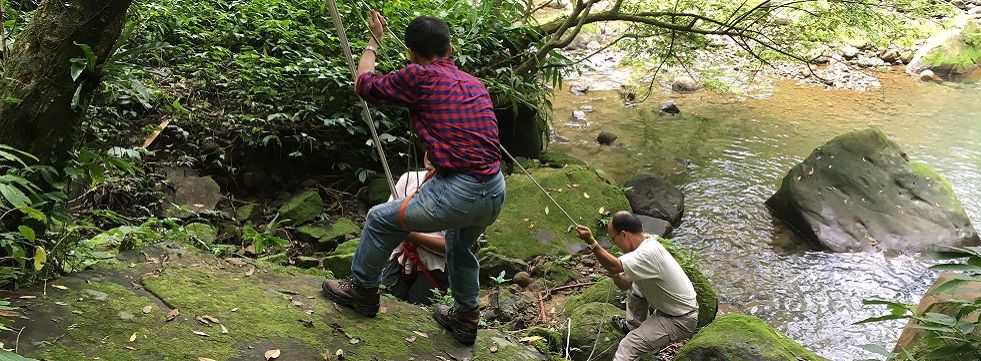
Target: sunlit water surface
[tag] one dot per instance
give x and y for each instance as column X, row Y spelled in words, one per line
column 728, row 155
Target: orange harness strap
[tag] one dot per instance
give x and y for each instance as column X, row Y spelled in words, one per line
column 408, row 197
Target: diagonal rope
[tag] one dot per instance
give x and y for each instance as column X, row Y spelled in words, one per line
column 365, row 113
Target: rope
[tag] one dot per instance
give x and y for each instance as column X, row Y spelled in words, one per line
column 574, row 223
column 365, row 113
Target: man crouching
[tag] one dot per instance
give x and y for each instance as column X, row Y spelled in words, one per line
column 661, row 307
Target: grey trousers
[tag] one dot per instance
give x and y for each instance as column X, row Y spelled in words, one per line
column 650, row 332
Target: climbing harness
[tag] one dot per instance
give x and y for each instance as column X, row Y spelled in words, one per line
column 411, row 253
column 346, row 47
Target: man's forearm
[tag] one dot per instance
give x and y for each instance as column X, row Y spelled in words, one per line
column 433, row 243
column 607, row 260
column 621, row 282
column 367, row 62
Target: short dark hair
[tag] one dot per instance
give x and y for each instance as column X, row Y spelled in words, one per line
column 624, row 221
column 428, row 37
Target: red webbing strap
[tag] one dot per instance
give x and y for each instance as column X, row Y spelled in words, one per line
column 408, row 197
column 409, row 250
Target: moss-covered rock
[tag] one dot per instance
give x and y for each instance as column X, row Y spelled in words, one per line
column 302, row 207
column 559, row 160
column 248, row 212
column 492, row 264
column 738, row 337
column 592, row 330
column 338, row 262
column 556, row 273
column 80, row 319
column 859, row 191
column 552, row 340
column 603, row 291
column 524, row 229
column 951, row 54
column 202, row 232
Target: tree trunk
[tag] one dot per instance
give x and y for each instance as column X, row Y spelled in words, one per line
column 36, row 113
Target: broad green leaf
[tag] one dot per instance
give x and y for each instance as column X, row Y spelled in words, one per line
column 10, row 356
column 938, row 318
column 27, row 232
column 40, row 258
column 14, row 196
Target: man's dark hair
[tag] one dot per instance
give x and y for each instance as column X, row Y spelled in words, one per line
column 428, row 37
column 624, row 221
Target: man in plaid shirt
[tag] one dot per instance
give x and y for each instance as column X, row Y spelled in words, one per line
column 453, row 115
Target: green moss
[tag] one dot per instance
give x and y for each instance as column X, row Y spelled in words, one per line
column 555, row 273
column 708, row 300
column 378, row 191
column 302, row 207
column 547, row 234
column 552, row 340
column 603, row 291
column 342, row 227
column 591, row 328
column 338, row 262
column 202, row 232
column 738, row 337
column 556, row 159
column 248, row 212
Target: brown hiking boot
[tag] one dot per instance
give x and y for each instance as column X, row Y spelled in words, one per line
column 349, row 294
column 462, row 324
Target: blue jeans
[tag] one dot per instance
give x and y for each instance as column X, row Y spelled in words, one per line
column 457, row 203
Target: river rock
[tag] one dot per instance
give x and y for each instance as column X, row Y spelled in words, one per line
column 509, row 307
column 579, row 89
column 913, row 341
column 522, row 279
column 655, row 226
column 579, row 115
column 952, row 54
column 928, row 75
column 199, row 194
column 683, row 84
column 738, row 337
column 604, row 291
column 849, row 52
column 651, row 196
column 889, row 55
column 819, row 55
column 670, row 107
column 592, row 330
column 202, row 232
column 248, row 212
column 302, row 207
column 338, row 261
column 492, row 264
column 606, row 138
column 859, row 191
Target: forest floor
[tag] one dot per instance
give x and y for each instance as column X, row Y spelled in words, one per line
column 168, row 302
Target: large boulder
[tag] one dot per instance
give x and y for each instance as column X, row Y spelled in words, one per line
column 593, row 336
column 952, row 54
column 530, row 225
column 655, row 226
column 603, row 291
column 945, row 302
column 199, row 194
column 738, row 337
column 303, row 207
column 492, row 264
column 652, row 196
column 860, row 191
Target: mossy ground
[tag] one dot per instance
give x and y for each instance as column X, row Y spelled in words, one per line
column 548, row 234
column 738, row 337
column 98, row 311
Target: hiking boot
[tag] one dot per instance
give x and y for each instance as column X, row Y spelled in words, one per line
column 349, row 294
column 620, row 324
column 461, row 324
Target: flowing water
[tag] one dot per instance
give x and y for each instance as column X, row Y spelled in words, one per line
column 728, row 155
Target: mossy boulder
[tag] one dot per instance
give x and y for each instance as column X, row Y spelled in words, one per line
column 654, row 197
column 271, row 309
column 524, row 229
column 556, row 273
column 303, row 207
column 559, row 160
column 248, row 212
column 492, row 264
column 603, row 291
column 551, row 340
column 592, row 330
column 338, row 262
column 952, row 54
column 738, row 337
column 202, row 232
column 914, row 343
column 859, row 191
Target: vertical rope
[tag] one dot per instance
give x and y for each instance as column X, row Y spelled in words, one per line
column 365, row 113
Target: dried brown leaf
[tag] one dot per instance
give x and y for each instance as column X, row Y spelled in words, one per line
column 423, row 334
column 172, row 314
column 60, row 287
column 410, row 339
column 271, row 354
column 148, row 309
column 199, row 333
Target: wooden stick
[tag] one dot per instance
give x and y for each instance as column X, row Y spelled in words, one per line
column 153, row 136
column 572, row 286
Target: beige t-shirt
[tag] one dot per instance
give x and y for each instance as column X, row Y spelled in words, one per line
column 659, row 278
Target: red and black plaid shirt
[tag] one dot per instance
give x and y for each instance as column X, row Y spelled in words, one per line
column 451, row 111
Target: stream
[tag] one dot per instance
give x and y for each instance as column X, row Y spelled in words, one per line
column 727, row 153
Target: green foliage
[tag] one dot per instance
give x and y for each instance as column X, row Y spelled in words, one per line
column 264, row 239
column 947, row 335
